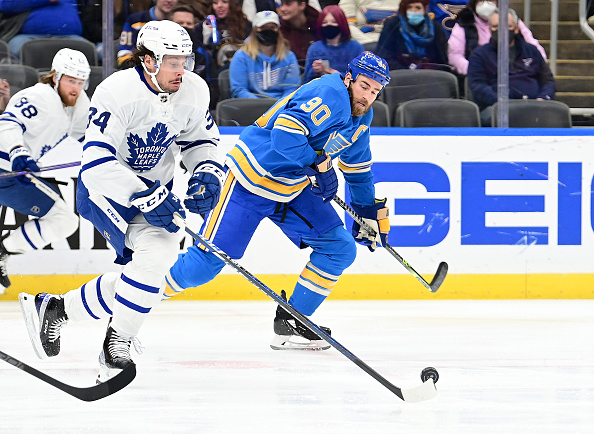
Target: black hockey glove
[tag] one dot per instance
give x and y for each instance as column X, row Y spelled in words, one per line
column 158, row 205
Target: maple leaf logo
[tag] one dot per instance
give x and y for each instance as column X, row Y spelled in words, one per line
column 146, row 155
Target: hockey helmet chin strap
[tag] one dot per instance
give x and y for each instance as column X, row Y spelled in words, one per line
column 153, row 75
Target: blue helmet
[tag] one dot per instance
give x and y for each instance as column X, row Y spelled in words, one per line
column 371, row 66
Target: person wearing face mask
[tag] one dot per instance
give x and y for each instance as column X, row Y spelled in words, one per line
column 264, row 67
column 472, row 30
column 529, row 74
column 335, row 49
column 411, row 39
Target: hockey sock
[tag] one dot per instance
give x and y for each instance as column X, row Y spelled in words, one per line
column 312, row 288
column 93, row 300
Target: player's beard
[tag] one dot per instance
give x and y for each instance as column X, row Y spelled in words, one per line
column 67, row 99
column 356, row 110
column 168, row 87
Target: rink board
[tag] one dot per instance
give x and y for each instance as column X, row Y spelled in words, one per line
column 509, row 210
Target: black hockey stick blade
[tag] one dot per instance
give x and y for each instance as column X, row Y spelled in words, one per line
column 88, row 394
column 442, row 270
column 423, row 392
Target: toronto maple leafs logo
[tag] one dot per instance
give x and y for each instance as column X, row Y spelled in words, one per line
column 145, row 155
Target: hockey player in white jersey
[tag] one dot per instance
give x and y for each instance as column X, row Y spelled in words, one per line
column 36, row 120
column 140, row 120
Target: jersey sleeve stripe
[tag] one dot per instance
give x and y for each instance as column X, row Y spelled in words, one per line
column 97, row 144
column 354, row 168
column 13, row 120
column 189, row 145
column 291, row 123
column 97, row 163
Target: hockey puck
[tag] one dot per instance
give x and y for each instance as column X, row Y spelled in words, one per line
column 429, row 373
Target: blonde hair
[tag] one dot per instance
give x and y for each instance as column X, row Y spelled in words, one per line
column 252, row 46
column 48, row 78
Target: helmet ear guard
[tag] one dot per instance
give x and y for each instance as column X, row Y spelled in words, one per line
column 370, row 65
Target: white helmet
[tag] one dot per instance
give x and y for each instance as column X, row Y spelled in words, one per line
column 164, row 37
column 71, row 62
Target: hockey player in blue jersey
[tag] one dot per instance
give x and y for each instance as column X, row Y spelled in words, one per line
column 281, row 169
column 140, row 120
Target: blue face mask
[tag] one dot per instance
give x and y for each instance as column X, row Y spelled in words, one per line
column 415, row 18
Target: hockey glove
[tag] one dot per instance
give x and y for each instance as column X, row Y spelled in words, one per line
column 204, row 187
column 158, row 204
column 323, row 178
column 375, row 216
column 21, row 160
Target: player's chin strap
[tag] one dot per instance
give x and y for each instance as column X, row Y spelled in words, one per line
column 153, row 75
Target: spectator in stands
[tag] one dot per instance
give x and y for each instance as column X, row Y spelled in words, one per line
column 412, row 40
column 38, row 19
column 335, row 49
column 472, row 30
column 91, row 16
column 366, row 18
column 200, row 6
column 264, row 67
column 529, row 74
column 4, row 94
column 134, row 23
column 232, row 27
column 298, row 26
column 204, row 65
column 250, row 7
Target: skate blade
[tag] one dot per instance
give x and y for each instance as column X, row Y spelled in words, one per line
column 27, row 302
column 293, row 342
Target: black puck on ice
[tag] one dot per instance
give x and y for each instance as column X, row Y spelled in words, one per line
column 429, row 373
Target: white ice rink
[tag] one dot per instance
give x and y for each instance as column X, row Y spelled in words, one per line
column 505, row 367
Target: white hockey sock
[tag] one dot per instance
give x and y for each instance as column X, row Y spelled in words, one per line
column 57, row 224
column 93, row 300
column 137, row 291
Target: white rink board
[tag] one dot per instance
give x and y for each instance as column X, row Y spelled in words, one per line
column 458, row 162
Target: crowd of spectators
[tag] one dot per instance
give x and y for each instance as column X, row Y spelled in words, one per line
column 272, row 46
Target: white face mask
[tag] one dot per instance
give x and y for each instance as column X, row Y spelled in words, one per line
column 485, row 9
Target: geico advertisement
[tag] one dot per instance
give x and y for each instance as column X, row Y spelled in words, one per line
column 485, row 204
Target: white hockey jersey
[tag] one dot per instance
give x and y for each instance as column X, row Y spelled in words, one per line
column 135, row 133
column 36, row 119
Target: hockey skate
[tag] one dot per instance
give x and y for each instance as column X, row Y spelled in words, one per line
column 4, row 280
column 115, row 355
column 44, row 316
column 290, row 334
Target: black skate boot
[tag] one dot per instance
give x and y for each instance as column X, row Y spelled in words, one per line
column 291, row 334
column 115, row 355
column 4, row 280
column 44, row 316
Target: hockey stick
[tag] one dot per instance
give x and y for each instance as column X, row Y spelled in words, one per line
column 41, row 169
column 442, row 269
column 88, row 394
column 420, row 393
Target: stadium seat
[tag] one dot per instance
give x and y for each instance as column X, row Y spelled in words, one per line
column 224, row 85
column 4, row 53
column 438, row 112
column 39, row 53
column 409, row 84
column 531, row 113
column 381, row 114
column 18, row 76
column 235, row 112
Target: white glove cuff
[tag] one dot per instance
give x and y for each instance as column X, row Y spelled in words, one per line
column 150, row 202
column 18, row 151
column 211, row 168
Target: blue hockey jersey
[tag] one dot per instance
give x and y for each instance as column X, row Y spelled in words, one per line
column 270, row 155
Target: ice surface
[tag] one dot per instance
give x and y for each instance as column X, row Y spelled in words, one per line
column 522, row 366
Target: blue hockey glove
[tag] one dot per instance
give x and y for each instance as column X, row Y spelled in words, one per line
column 375, row 216
column 21, row 160
column 204, row 187
column 158, row 204
column 323, row 178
